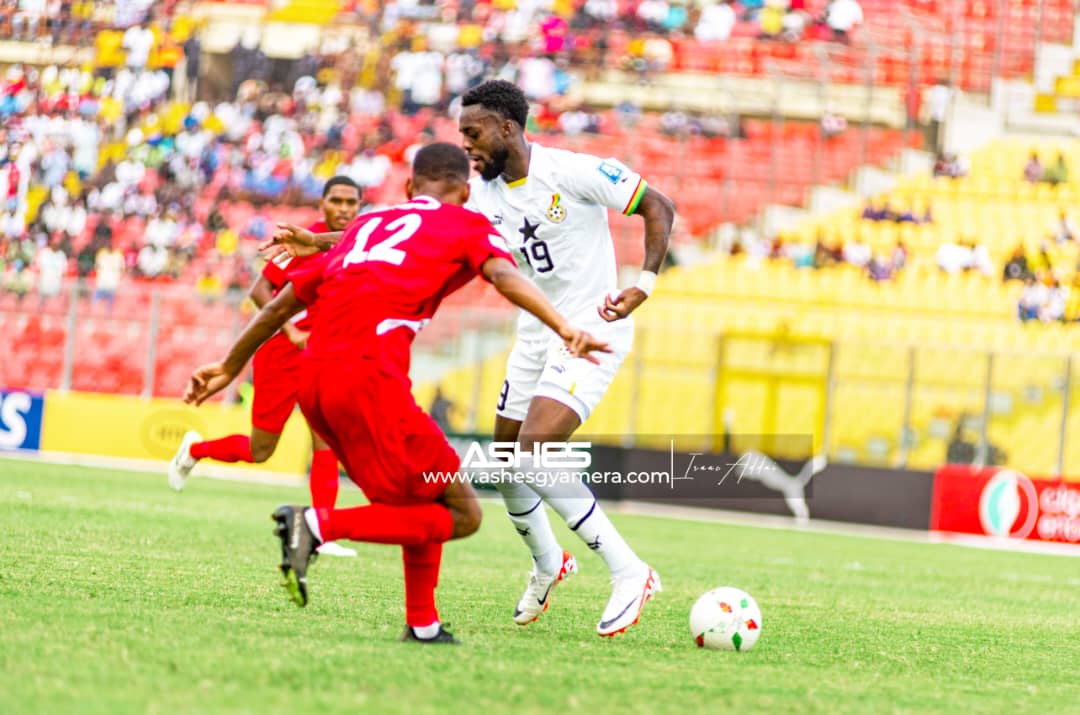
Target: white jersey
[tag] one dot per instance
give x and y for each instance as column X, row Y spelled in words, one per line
column 555, row 221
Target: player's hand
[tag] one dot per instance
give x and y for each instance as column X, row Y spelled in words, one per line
column 289, row 239
column 622, row 305
column 206, row 382
column 582, row 344
column 297, row 336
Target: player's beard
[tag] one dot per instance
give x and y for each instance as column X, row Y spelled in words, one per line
column 497, row 165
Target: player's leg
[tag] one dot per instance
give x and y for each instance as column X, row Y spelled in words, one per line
column 525, row 509
column 422, row 567
column 323, row 481
column 550, row 420
column 369, row 429
column 524, row 506
column 255, row 448
column 390, row 450
column 276, row 371
column 569, row 390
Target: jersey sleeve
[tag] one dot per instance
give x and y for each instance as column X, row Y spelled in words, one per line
column 607, row 182
column 307, row 278
column 276, row 274
column 483, row 241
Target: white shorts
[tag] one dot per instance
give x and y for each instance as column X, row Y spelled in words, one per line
column 544, row 368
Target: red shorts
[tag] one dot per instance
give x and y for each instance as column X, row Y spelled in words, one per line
column 367, row 414
column 276, row 381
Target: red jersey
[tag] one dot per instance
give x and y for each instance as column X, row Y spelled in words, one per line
column 281, row 273
column 386, row 277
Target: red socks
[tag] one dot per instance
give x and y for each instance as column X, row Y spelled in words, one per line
column 421, row 578
column 324, row 479
column 234, row 448
column 414, row 525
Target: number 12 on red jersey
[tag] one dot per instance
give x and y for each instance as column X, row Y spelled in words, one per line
column 386, row 250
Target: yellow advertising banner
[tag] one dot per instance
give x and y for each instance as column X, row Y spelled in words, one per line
column 132, row 427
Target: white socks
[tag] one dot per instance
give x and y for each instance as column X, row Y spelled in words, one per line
column 426, row 633
column 575, row 503
column 527, row 513
column 312, row 520
column 594, row 528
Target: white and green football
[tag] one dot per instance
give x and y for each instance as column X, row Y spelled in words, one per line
column 725, row 619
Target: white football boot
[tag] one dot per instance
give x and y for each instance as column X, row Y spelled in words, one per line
column 537, row 596
column 181, row 465
column 629, row 595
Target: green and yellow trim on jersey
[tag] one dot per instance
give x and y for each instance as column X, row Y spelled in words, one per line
column 631, row 206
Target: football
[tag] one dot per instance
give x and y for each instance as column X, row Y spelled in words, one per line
column 725, row 619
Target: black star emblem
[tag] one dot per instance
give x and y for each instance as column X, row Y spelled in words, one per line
column 528, row 230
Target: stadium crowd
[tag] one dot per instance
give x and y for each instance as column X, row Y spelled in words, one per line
column 113, row 171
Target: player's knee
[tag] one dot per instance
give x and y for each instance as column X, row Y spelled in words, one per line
column 467, row 519
column 262, row 452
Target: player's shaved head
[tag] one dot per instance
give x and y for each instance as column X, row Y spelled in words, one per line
column 440, row 170
column 502, row 97
column 441, row 162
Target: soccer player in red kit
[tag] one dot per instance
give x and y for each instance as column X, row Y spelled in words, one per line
column 375, row 289
column 277, row 374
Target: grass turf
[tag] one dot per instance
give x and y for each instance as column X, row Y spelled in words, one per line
column 118, row 595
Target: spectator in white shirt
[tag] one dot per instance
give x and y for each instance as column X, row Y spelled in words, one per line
column 1057, row 296
column 1032, row 299
column 716, row 22
column 842, row 16
column 152, row 260
column 137, row 41
column 162, row 231
column 108, row 267
column 368, row 169
column 24, row 24
column 537, row 78
column 954, row 257
column 1063, row 228
column 980, row 260
column 857, row 253
column 51, row 267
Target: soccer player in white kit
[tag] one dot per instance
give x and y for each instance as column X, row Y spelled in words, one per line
column 551, row 207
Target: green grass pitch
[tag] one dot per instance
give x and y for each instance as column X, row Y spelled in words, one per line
column 118, row 595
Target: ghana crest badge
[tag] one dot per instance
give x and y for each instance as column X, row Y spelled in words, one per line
column 556, row 212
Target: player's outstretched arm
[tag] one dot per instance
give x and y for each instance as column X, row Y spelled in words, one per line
column 295, row 241
column 211, row 379
column 522, row 292
column 659, row 213
column 261, row 293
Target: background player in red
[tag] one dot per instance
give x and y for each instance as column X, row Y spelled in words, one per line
column 277, row 375
column 375, row 290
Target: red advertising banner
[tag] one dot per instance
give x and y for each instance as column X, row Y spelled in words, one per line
column 1004, row 503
